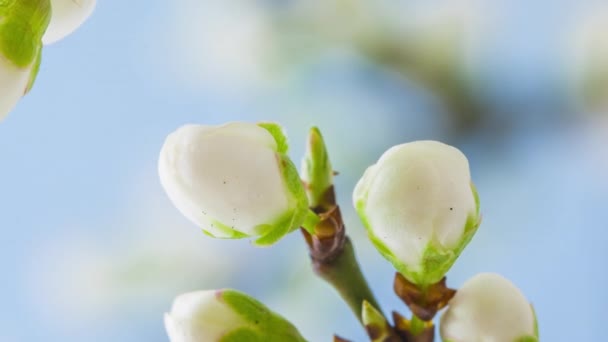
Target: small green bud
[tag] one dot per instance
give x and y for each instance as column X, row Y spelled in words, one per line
column 376, row 325
column 317, row 172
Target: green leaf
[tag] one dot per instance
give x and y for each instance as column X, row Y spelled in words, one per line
column 436, row 260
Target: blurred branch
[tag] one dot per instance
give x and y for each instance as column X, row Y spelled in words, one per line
column 433, row 56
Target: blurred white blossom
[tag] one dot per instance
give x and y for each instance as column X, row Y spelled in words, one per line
column 587, row 57
column 224, row 43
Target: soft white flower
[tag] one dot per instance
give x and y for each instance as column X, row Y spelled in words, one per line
column 234, row 180
column 68, row 15
column 419, row 207
column 489, row 308
column 225, row 315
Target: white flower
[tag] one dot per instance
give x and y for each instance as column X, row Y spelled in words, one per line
column 489, row 308
column 225, row 315
column 419, row 207
column 234, row 180
column 68, row 15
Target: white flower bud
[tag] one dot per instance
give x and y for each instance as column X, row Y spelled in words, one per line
column 234, row 180
column 67, row 16
column 488, row 308
column 225, row 315
column 419, row 207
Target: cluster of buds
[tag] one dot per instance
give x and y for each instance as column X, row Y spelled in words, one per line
column 421, row 209
column 25, row 26
column 417, row 203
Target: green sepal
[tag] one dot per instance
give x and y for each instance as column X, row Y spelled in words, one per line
column 263, row 324
column 22, row 25
column 227, row 232
column 278, row 134
column 310, row 221
column 376, row 325
column 298, row 201
column 436, row 260
column 535, row 322
column 34, row 72
column 274, row 232
column 527, row 339
column 316, row 168
column 243, row 334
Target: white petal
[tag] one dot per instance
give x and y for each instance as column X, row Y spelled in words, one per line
column 67, row 16
column 13, row 82
column 228, row 173
column 200, row 316
column 488, row 307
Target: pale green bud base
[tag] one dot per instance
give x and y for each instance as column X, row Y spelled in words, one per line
column 436, row 260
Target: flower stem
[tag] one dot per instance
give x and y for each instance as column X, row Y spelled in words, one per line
column 331, row 251
column 344, row 274
column 417, row 325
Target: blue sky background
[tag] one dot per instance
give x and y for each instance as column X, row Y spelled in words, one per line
column 93, row 251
